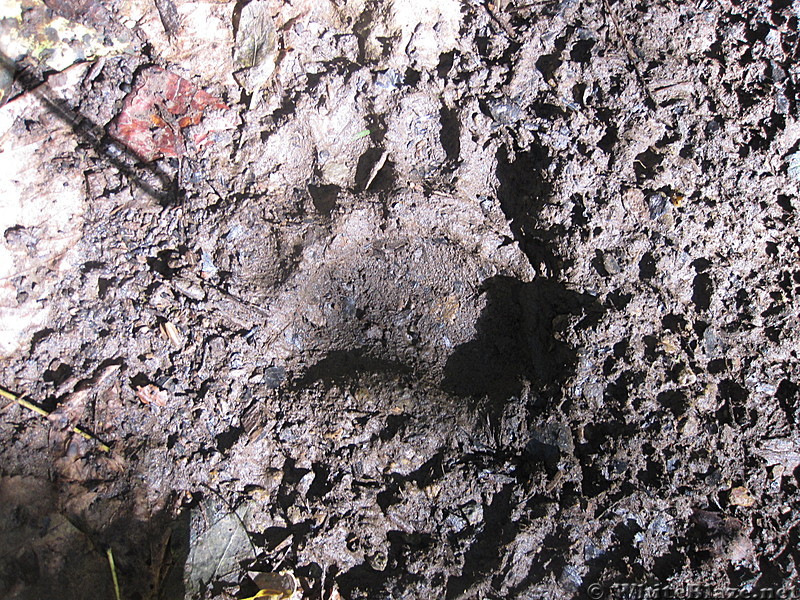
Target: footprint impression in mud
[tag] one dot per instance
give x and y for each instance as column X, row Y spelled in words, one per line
column 401, row 287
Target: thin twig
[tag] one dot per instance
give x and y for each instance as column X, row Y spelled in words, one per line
column 629, row 51
column 509, row 31
column 40, row 411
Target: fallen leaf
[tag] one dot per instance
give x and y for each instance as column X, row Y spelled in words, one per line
column 219, row 542
column 726, row 535
column 195, row 39
column 150, row 394
column 256, row 46
column 157, row 110
column 58, row 33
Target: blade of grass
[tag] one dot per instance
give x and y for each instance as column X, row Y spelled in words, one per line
column 110, row 556
column 40, row 411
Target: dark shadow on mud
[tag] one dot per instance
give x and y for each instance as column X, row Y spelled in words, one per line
column 524, row 190
column 517, row 340
column 52, row 550
column 343, row 365
column 484, row 556
column 450, row 135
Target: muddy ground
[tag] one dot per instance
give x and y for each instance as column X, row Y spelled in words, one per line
column 464, row 300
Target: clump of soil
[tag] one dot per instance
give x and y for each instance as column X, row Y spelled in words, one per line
column 469, row 300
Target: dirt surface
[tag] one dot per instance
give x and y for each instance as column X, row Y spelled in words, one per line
column 438, row 300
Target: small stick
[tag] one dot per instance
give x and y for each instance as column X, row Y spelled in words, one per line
column 375, row 168
column 626, row 43
column 40, row 411
column 500, row 22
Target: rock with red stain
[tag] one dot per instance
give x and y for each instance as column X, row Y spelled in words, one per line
column 155, row 113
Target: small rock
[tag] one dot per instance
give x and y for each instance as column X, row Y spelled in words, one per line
column 657, row 204
column 456, row 523
column 740, row 496
column 670, row 345
column 710, row 341
column 274, row 377
column 611, row 264
column 687, row 377
column 505, row 111
column 390, row 79
column 378, row 561
column 782, row 104
column 793, row 168
column 633, row 200
column 473, row 512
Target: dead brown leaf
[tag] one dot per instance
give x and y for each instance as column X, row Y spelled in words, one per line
column 151, row 394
